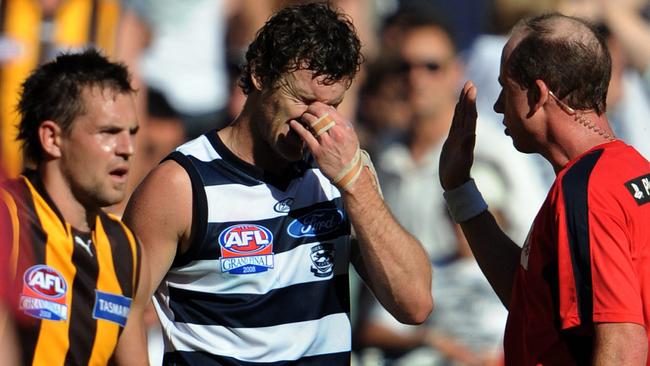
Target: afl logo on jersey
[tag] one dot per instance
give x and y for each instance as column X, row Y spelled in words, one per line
column 317, row 222
column 246, row 248
column 45, row 281
column 44, row 293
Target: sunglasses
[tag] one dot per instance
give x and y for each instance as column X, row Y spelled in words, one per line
column 431, row 66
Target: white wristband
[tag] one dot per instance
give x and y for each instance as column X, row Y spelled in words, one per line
column 465, row 202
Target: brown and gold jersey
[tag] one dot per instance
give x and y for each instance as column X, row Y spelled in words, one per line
column 73, row 290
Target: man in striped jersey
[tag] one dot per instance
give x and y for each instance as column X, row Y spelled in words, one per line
column 75, row 270
column 250, row 227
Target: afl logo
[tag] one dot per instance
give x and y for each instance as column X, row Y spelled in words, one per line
column 246, row 239
column 46, row 281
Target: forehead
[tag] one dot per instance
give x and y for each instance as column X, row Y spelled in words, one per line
column 424, row 43
column 302, row 83
column 107, row 106
column 507, row 51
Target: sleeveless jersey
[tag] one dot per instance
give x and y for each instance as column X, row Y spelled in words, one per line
column 265, row 280
column 73, row 290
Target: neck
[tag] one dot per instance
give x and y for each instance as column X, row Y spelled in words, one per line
column 577, row 134
column 77, row 214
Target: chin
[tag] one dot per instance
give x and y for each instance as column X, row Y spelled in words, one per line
column 110, row 198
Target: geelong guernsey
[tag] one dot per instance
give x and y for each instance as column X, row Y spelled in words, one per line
column 265, row 281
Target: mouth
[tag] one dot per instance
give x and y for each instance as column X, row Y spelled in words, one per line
column 119, row 174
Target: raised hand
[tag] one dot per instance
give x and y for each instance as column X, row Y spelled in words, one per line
column 457, row 153
column 335, row 148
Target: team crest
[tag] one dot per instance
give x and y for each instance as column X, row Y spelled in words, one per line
column 44, row 293
column 322, row 258
column 640, row 189
column 246, row 248
column 283, row 206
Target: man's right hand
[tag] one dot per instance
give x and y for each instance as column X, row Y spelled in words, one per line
column 457, row 153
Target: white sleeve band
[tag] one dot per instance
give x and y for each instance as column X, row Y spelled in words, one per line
column 465, row 201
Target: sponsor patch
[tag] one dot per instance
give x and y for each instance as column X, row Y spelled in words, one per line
column 322, row 258
column 111, row 307
column 283, row 206
column 640, row 189
column 317, row 222
column 44, row 293
column 246, row 248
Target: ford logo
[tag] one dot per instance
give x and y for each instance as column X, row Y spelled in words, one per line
column 317, row 222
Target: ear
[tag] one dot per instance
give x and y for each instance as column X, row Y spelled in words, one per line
column 49, row 134
column 257, row 81
column 541, row 91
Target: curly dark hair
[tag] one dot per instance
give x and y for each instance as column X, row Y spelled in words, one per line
column 569, row 54
column 310, row 36
column 53, row 92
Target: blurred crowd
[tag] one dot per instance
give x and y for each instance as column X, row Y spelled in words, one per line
column 185, row 57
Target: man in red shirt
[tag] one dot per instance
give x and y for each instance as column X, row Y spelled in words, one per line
column 578, row 292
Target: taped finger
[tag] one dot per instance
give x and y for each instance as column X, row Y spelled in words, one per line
column 322, row 125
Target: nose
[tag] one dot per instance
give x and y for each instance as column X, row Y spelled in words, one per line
column 125, row 146
column 498, row 105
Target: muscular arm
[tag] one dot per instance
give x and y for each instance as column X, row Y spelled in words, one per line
column 393, row 263
column 159, row 213
column 620, row 344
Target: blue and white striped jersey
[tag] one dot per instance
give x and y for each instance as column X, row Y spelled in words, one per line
column 265, row 281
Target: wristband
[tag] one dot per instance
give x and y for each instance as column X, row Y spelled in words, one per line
column 465, row 202
column 348, row 175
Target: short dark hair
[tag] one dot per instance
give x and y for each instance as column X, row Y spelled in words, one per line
column 575, row 64
column 416, row 16
column 310, row 36
column 53, row 92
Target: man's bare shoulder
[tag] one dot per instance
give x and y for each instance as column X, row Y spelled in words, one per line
column 165, row 193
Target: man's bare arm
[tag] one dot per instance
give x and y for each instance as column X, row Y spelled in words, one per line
column 159, row 213
column 622, row 344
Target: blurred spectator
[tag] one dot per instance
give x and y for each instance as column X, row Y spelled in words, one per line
column 628, row 103
column 466, row 18
column 176, row 51
column 384, row 112
column 431, row 72
column 32, row 32
column 628, row 39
